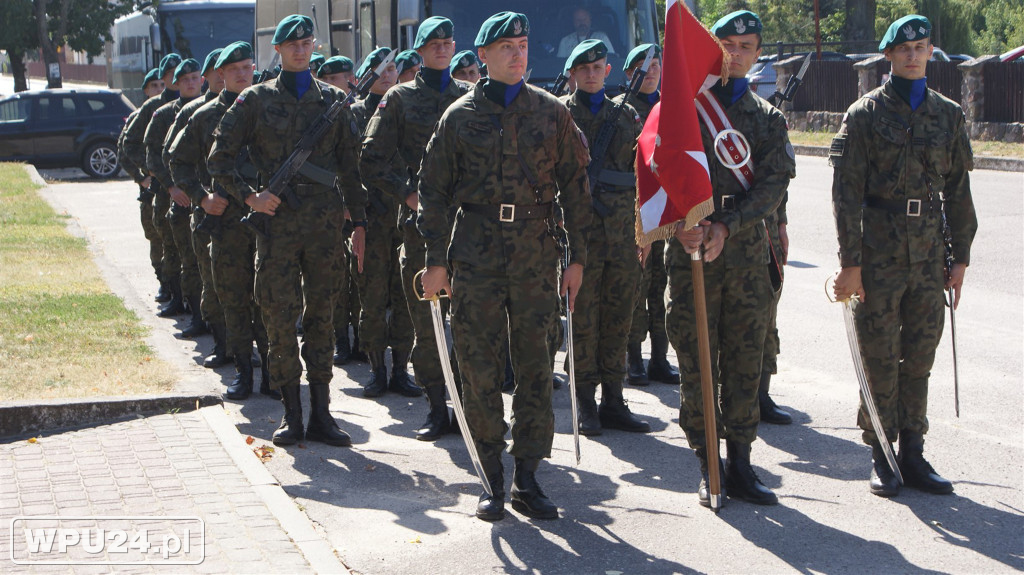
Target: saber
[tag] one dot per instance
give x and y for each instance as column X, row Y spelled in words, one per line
column 956, row 370
column 573, row 404
column 449, row 379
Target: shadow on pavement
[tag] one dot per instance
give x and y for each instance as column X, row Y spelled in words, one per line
column 816, row 452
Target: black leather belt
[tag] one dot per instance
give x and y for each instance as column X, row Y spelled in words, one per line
column 510, row 212
column 912, row 207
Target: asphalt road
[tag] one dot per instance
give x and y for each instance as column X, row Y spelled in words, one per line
column 392, row 504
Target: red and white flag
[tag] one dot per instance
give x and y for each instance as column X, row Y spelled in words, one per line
column 673, row 181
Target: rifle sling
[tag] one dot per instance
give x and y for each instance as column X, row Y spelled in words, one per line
column 617, row 179
column 318, row 174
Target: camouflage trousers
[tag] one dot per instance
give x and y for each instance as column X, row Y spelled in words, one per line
column 769, row 362
column 738, row 304
column 209, row 302
column 234, row 272
column 649, row 313
column 604, row 310
column 170, row 261
column 426, row 364
column 899, row 326
column 384, row 318
column 347, row 304
column 495, row 312
column 297, row 271
column 152, row 236
column 181, row 231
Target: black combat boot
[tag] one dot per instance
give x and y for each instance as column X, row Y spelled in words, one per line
column 917, row 472
column 740, row 479
column 342, row 351
column 438, row 422
column 176, row 305
column 492, row 507
column 703, row 491
column 659, row 369
column 590, row 422
column 241, row 387
column 220, row 356
column 265, row 388
column 196, row 326
column 163, row 294
column 400, row 381
column 614, row 412
column 322, row 426
column 636, row 373
column 378, row 383
column 357, row 353
column 290, row 432
column 527, row 496
column 883, row 482
column 770, row 413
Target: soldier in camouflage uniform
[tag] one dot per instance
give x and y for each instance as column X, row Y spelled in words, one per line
column 465, row 67
column 408, row 63
column 901, row 152
column 649, row 314
column 152, row 86
column 605, row 301
column 189, row 83
column 135, row 149
column 737, row 285
column 502, row 154
column 298, row 263
column 393, row 146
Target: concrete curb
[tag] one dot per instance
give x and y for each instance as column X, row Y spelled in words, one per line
column 980, row 162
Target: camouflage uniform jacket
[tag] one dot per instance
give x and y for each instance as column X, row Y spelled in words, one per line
column 612, row 236
column 885, row 150
column 180, row 121
column 134, row 172
column 269, row 119
column 639, row 103
column 403, row 121
column 773, row 163
column 156, row 135
column 470, row 160
column 135, row 136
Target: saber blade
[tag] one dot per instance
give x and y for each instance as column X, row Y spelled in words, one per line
column 573, row 404
column 956, row 370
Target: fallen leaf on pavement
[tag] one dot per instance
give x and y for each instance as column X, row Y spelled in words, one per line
column 415, row 540
column 249, row 440
column 371, row 467
column 264, row 452
column 32, row 440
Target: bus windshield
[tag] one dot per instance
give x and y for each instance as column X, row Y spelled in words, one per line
column 195, row 33
column 557, row 27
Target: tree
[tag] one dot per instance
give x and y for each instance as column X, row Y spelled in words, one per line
column 860, row 20
column 17, row 37
column 83, row 25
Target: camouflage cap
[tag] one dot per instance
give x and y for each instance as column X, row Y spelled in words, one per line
column 435, row 27
column 737, row 23
column 335, row 65
column 151, row 76
column 586, row 52
column 636, row 55
column 502, row 25
column 211, row 60
column 316, row 60
column 373, row 60
column 463, row 59
column 168, row 63
column 408, row 59
column 294, row 27
column 186, row 67
column 234, row 52
column 906, row 29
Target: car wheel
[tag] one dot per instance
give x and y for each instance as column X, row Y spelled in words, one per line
column 100, row 160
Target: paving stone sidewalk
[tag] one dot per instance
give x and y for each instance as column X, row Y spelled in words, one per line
column 182, row 464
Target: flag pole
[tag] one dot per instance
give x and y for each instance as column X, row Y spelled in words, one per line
column 706, row 385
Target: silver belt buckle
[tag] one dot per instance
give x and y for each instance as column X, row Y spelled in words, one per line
column 507, row 213
column 914, row 208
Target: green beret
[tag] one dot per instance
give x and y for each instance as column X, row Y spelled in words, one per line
column 211, row 60
column 373, row 60
column 463, row 59
column 168, row 63
column 906, row 29
column 235, row 52
column 151, row 76
column 408, row 59
column 186, row 67
column 335, row 65
column 636, row 55
column 432, row 28
column 294, row 27
column 316, row 60
column 737, row 23
column 586, row 52
column 502, row 25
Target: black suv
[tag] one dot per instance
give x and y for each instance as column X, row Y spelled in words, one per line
column 64, row 129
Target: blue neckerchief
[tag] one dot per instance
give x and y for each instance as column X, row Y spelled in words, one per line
column 592, row 101
column 297, row 82
column 501, row 93
column 732, row 91
column 436, row 79
column 652, row 98
column 912, row 91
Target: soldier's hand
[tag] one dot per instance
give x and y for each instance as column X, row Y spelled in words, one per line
column 413, row 201
column 572, row 279
column 214, row 204
column 955, row 281
column 848, row 283
column 359, row 246
column 146, row 182
column 643, row 253
column 692, row 238
column 714, row 241
column 179, row 197
column 435, row 281
column 784, row 240
column 263, row 202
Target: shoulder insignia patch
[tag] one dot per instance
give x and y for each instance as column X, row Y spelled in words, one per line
column 583, row 138
column 383, row 103
column 240, row 99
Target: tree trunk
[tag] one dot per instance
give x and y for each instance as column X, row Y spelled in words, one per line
column 47, row 47
column 860, row 21
column 19, row 71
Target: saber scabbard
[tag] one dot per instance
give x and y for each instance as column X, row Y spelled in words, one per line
column 706, row 384
column 956, row 370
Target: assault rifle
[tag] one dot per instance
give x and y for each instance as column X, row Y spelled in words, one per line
column 280, row 182
column 559, row 86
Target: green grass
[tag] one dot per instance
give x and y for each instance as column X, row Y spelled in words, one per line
column 980, row 147
column 62, row 333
